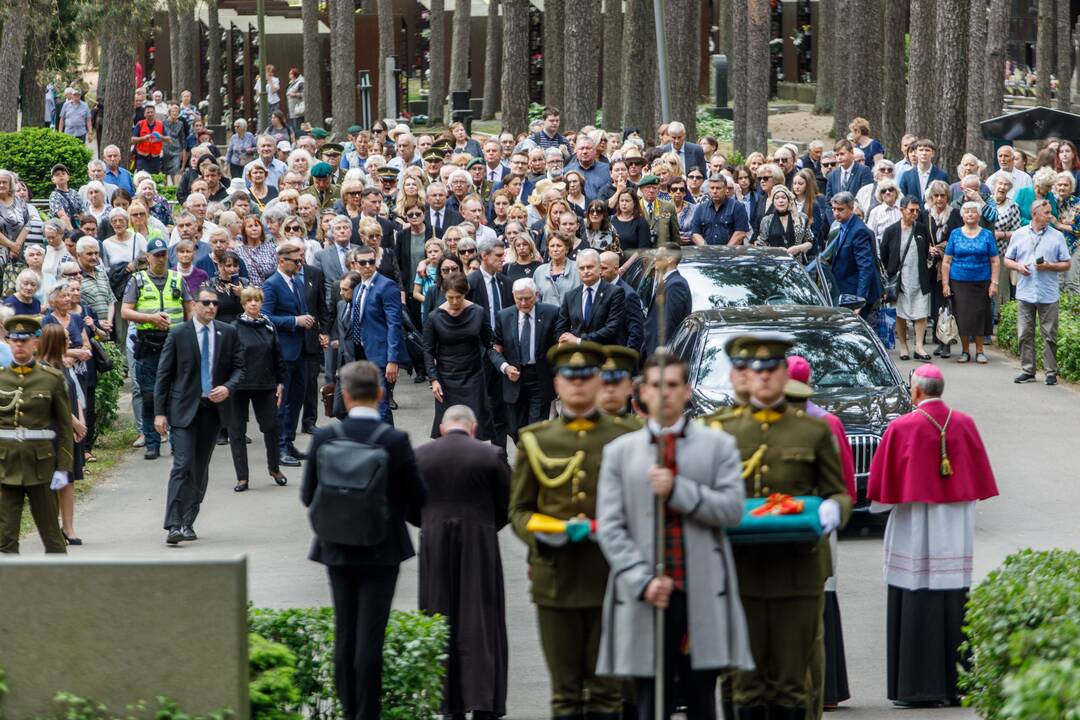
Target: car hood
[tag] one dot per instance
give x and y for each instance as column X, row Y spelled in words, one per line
column 862, row 410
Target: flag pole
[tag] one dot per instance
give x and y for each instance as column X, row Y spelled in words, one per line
column 660, row 710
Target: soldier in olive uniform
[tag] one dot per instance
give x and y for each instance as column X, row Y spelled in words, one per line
column 783, row 451
column 556, row 473
column 36, row 439
column 617, row 382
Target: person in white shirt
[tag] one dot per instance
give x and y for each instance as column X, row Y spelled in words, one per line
column 1006, row 158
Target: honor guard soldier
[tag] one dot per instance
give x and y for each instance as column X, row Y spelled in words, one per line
column 556, row 474
column 782, row 584
column 617, row 382
column 36, row 439
column 740, row 387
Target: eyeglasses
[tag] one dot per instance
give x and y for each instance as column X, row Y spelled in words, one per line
column 292, row 258
column 448, row 270
column 828, row 165
column 596, row 211
column 293, row 228
column 937, row 194
column 364, row 263
column 209, row 303
column 414, row 216
column 72, row 273
column 695, row 177
column 373, row 234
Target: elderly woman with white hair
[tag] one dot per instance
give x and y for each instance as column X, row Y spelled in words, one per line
column 56, row 252
column 97, row 205
column 783, row 227
column 241, row 148
column 887, row 211
column 300, row 162
column 156, row 203
column 969, row 275
column 24, row 300
column 867, row 196
column 1042, row 186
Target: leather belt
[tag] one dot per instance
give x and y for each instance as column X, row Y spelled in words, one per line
column 26, row 434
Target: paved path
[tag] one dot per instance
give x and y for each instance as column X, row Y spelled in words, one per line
column 1029, row 430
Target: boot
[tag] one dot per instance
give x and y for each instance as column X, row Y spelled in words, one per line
column 780, row 712
column 755, row 712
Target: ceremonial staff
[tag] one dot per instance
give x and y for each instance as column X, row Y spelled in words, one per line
column 661, row 354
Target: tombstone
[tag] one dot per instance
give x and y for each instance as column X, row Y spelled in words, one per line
column 720, row 107
column 120, row 631
column 460, row 109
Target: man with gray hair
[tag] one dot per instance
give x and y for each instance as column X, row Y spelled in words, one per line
column 691, row 155
column 96, row 291
column 523, row 335
column 594, row 310
column 472, row 209
column 406, row 153
column 854, row 258
column 597, row 174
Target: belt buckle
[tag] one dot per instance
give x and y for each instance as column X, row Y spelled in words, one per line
column 20, row 433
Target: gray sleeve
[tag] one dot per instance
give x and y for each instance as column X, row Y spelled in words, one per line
column 131, row 292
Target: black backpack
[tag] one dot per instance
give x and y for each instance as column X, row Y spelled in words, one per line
column 350, row 505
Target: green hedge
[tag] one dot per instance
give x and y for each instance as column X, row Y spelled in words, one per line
column 108, row 388
column 412, row 660
column 32, row 152
column 1023, row 629
column 1068, row 350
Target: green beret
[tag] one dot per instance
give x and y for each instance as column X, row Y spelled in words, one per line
column 318, row 133
column 648, row 180
column 620, row 364
column 576, row 360
column 353, row 129
column 473, row 163
column 321, row 170
column 22, row 327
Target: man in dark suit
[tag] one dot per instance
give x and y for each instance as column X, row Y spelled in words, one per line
column 371, row 200
column 690, row 154
column 362, row 579
column 439, row 217
column 494, row 167
column 917, row 179
column 854, row 259
column 848, row 175
column 333, row 259
column 678, row 302
column 201, row 365
column 295, row 305
column 633, row 330
column 523, row 334
column 317, row 342
column 376, row 323
column 594, row 310
column 491, row 290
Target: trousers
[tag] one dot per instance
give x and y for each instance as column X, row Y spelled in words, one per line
column 44, row 509
column 264, row 403
column 530, row 406
column 1025, row 331
column 784, row 640
column 571, row 642
column 292, row 400
column 193, row 447
column 362, row 598
column 146, row 378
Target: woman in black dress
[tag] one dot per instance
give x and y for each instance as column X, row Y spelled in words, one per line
column 456, row 341
column 433, row 296
column 629, row 226
column 229, row 285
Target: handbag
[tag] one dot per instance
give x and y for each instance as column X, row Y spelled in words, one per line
column 327, row 392
column 945, row 329
column 892, row 285
column 103, row 362
column 886, row 327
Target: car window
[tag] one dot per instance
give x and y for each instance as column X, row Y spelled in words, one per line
column 748, row 284
column 840, row 359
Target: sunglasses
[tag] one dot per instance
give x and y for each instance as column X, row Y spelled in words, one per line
column 889, row 190
column 465, row 251
column 828, row 165
column 596, row 211
column 364, row 263
column 293, row 259
column 209, row 303
column 695, row 177
column 414, row 216
column 354, row 192
column 448, row 270
column 676, row 189
column 293, row 228
column 763, row 179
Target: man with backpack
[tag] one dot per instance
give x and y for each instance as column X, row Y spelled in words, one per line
column 361, row 484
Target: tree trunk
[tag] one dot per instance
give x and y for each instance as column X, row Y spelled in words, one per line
column 387, row 88
column 436, row 64
column 12, row 44
column 976, row 79
column 684, row 55
column 612, row 32
column 723, row 27
column 118, row 93
column 554, row 44
column 893, row 34
column 313, row 66
column 757, row 75
column 515, row 65
column 1044, row 52
column 36, row 57
column 952, row 44
column 639, row 67
column 864, row 65
column 491, row 62
column 188, row 45
column 845, row 56
column 579, row 79
column 1064, row 55
column 342, row 62
column 825, row 52
column 922, row 76
column 737, row 75
column 214, row 81
column 459, row 47
column 174, row 48
column 997, row 35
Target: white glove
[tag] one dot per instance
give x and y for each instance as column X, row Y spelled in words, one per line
column 59, row 480
column 829, row 515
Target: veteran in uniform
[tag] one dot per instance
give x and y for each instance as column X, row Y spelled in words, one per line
column 660, row 215
column 322, row 187
column 782, row 584
column 617, row 382
column 556, row 474
column 36, row 439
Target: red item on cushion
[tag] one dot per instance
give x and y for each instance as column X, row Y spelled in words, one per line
column 907, row 464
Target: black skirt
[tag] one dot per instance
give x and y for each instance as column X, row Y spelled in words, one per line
column 971, row 304
column 924, row 633
column 835, row 689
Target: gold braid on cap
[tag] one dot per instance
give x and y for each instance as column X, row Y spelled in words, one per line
column 541, row 463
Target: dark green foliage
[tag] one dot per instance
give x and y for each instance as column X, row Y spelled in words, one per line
column 1023, row 629
column 309, row 634
column 272, row 690
column 107, row 394
column 1068, row 349
column 32, row 152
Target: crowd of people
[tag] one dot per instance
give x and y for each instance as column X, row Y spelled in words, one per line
column 489, row 268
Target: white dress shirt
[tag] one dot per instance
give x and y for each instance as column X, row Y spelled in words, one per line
column 595, row 287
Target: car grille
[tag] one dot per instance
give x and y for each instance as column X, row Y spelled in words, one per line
column 863, row 448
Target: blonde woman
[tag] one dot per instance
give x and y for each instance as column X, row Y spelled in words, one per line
column 1042, row 186
column 887, row 211
column 411, row 195
column 143, row 223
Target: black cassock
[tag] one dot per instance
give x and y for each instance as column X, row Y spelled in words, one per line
column 468, row 486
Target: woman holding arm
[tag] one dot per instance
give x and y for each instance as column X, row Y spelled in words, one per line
column 14, row 220
column 969, row 275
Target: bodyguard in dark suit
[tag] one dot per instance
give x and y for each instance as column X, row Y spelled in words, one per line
column 375, row 330
column 523, row 334
column 491, row 290
column 594, row 310
column 848, row 175
column 200, row 367
column 633, row 330
column 678, row 302
column 854, row 259
column 362, row 579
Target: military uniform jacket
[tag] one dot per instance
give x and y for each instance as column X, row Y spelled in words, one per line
column 786, row 451
column 34, row 400
column 663, row 221
column 556, row 473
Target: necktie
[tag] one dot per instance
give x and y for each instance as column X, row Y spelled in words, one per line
column 299, row 294
column 491, row 176
column 526, row 341
column 438, row 219
column 204, row 361
column 357, row 306
column 588, row 307
column 496, row 306
column 843, row 179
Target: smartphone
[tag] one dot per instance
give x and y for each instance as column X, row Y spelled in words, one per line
column 1039, row 260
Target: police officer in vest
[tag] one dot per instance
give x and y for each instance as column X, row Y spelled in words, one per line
column 36, row 439
column 155, row 300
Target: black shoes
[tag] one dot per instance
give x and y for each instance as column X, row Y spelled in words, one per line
column 151, row 454
column 279, row 478
column 174, row 537
column 308, row 428
column 288, row 460
column 1026, row 378
column 70, row 540
column 188, row 533
column 240, row 486
column 1051, row 378
column 923, row 357
column 296, row 453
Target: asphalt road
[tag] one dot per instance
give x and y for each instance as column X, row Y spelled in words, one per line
column 1027, row 429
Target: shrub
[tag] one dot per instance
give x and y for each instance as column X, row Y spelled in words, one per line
column 709, row 124
column 412, row 660
column 1068, row 349
column 107, row 393
column 272, row 690
column 1026, row 611
column 1045, row 690
column 32, row 152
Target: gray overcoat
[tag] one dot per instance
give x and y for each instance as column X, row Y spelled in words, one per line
column 709, row 492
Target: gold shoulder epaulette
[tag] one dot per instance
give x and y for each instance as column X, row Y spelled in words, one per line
column 542, row 465
column 51, row 370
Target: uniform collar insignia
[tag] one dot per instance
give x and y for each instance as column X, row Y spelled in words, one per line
column 22, row 369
